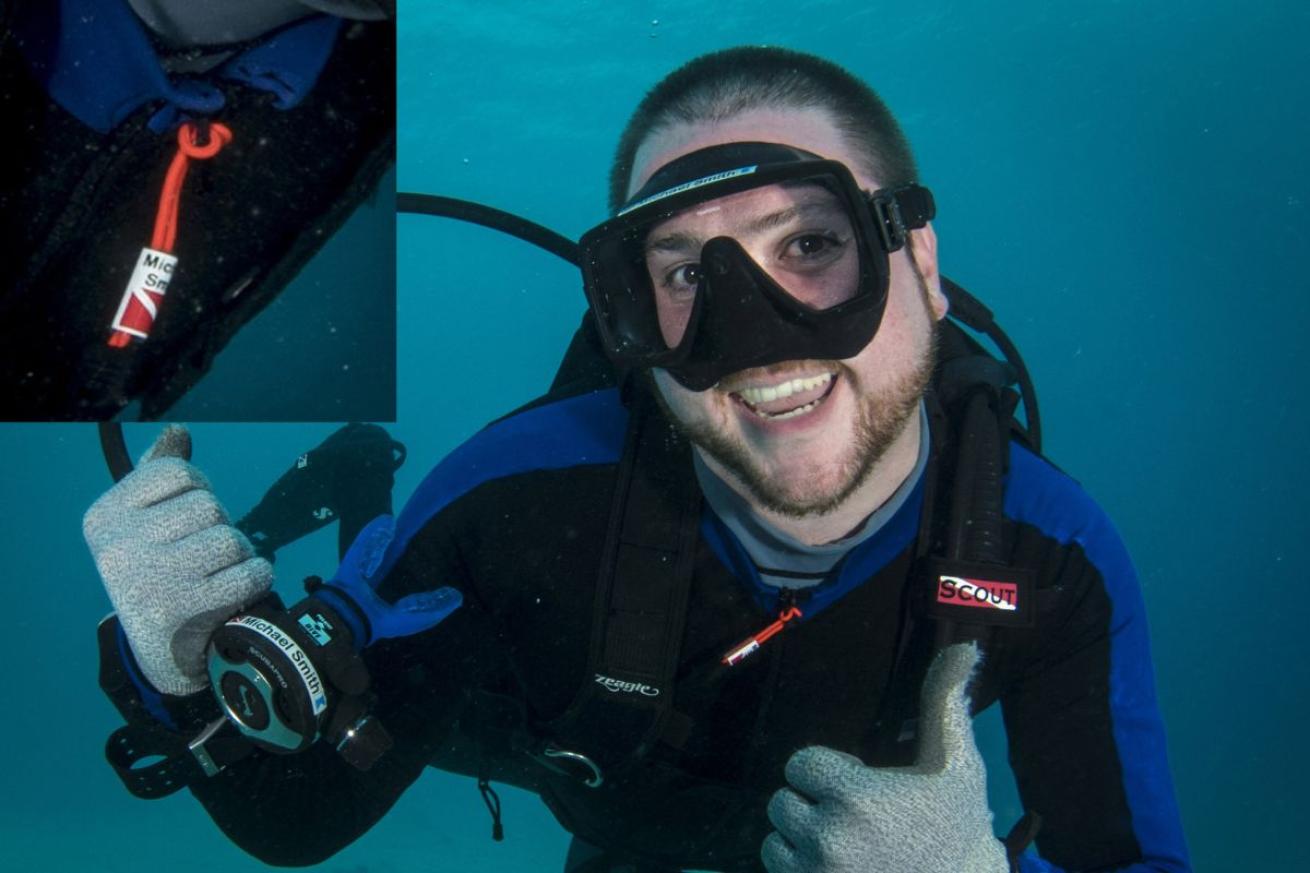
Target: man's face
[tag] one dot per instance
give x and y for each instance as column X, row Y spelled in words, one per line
column 800, row 436
column 799, row 233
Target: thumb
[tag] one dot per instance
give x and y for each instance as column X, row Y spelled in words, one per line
column 364, row 565
column 174, row 441
column 414, row 613
column 947, row 732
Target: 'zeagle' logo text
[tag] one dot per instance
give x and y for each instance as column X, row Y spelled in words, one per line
column 959, row 591
column 615, row 685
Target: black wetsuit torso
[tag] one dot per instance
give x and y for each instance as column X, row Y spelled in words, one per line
column 514, row 519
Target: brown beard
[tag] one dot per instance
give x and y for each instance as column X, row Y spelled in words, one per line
column 881, row 420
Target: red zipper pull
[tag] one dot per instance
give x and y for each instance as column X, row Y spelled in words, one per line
column 154, row 266
column 751, row 645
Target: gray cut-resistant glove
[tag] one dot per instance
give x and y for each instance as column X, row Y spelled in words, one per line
column 173, row 566
column 840, row 816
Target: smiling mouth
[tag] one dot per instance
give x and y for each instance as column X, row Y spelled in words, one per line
column 789, row 399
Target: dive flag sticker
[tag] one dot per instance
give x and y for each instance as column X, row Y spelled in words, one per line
column 979, row 593
column 982, row 593
column 145, row 289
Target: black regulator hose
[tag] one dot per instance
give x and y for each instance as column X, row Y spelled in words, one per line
column 114, row 447
column 973, row 313
column 495, row 219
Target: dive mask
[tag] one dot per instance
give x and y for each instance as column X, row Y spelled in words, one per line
column 744, row 255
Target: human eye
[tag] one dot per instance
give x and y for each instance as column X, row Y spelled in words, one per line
column 681, row 281
column 812, row 249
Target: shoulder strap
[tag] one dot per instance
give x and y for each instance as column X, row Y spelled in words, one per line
column 962, row 587
column 971, row 587
column 641, row 602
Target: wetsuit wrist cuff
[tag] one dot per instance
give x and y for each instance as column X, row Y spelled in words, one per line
column 135, row 698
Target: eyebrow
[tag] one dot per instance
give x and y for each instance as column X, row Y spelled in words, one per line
column 680, row 241
column 673, row 242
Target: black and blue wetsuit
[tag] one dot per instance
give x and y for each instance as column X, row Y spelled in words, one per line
column 513, row 518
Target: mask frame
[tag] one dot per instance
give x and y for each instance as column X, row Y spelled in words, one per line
column 742, row 318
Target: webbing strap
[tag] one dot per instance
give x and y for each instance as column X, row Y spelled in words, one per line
column 641, row 600
column 174, row 761
column 894, row 734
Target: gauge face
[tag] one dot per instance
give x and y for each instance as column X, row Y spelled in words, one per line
column 262, row 688
column 244, row 701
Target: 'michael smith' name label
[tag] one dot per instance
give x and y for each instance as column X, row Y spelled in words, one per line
column 145, row 289
column 983, row 593
column 296, row 655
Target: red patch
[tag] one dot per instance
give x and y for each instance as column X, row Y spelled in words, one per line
column 985, row 593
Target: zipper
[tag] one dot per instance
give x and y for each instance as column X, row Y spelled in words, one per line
column 788, row 612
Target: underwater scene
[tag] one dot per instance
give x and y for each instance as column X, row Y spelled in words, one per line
column 1125, row 185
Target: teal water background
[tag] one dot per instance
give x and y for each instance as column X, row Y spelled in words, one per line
column 324, row 348
column 1124, row 183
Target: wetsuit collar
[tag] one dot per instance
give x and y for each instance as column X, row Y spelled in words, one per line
column 778, row 560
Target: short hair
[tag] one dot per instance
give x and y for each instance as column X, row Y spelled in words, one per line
column 719, row 85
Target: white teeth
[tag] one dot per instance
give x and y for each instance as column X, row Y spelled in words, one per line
column 791, row 413
column 756, row 395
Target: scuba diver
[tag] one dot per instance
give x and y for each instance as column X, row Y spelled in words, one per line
column 174, row 166
column 727, row 596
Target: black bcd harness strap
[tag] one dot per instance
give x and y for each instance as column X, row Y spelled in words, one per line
column 641, row 605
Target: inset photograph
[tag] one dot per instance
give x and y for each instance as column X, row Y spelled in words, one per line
column 198, row 210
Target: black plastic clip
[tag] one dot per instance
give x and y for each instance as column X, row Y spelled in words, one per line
column 890, row 221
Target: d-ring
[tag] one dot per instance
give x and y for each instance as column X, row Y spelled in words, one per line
column 563, row 755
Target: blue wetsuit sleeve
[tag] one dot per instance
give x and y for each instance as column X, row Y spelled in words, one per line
column 1087, row 743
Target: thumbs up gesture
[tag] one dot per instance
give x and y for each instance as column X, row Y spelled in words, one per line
column 839, row 816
